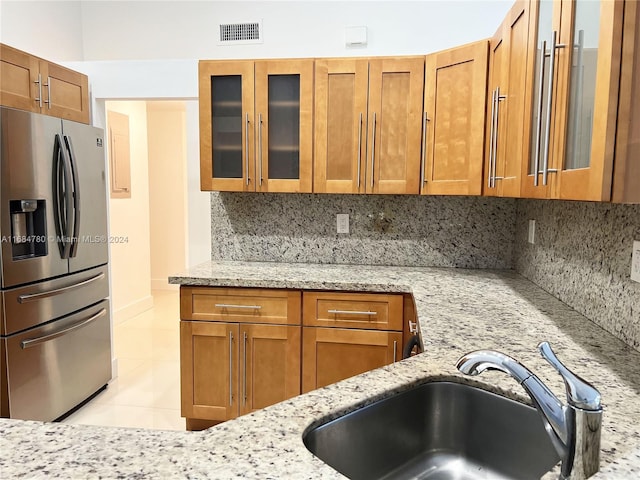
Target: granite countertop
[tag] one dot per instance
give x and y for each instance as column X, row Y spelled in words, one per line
column 458, row 310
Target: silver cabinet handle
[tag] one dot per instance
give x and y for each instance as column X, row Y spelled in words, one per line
column 492, row 137
column 492, row 173
column 230, row 368
column 260, row 147
column 32, row 342
column 48, row 100
column 351, row 312
column 230, row 305
column 395, row 350
column 39, row 83
column 423, row 176
column 246, row 147
column 31, row 297
column 244, row 372
column 552, row 64
column 359, row 148
column 536, row 166
column 373, row 147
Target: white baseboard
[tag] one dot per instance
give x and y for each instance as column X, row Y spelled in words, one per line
column 133, row 309
column 163, row 284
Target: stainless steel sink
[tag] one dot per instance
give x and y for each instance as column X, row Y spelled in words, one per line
column 439, row 430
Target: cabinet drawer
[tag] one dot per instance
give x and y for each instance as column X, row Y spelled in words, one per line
column 369, row 311
column 240, row 305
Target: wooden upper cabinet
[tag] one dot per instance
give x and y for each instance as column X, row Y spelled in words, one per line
column 284, row 110
column 454, row 119
column 575, row 54
column 506, row 120
column 367, row 130
column 396, row 88
column 36, row 85
column 226, row 92
column 256, row 123
column 340, row 138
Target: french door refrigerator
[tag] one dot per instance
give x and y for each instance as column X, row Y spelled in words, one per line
column 55, row 344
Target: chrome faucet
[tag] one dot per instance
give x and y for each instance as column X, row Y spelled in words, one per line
column 574, row 428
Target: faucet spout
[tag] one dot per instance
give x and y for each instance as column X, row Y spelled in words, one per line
column 574, row 429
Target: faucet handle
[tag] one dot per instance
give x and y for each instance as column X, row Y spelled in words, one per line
column 580, row 393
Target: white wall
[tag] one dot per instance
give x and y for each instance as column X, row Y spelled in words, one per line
column 129, row 217
column 166, row 133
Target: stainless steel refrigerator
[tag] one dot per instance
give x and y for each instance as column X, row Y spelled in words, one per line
column 55, row 342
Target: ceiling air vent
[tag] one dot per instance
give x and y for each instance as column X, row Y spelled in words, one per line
column 240, row 33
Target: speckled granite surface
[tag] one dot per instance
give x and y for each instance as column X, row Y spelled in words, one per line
column 459, row 311
column 582, row 256
column 457, row 231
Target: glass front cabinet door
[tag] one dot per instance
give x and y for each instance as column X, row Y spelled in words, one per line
column 575, row 48
column 256, row 125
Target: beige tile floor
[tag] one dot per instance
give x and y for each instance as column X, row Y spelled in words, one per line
column 146, row 392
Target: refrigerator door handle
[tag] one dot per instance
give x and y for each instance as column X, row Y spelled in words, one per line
column 75, row 194
column 62, row 198
column 31, row 297
column 32, row 342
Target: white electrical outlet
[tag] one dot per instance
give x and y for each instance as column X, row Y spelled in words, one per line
column 635, row 262
column 342, row 220
column 532, row 232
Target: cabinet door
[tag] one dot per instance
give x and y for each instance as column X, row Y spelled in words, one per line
column 19, row 87
column 455, row 92
column 65, row 92
column 340, row 125
column 270, row 365
column 396, row 89
column 333, row 354
column 284, row 124
column 209, row 370
column 588, row 81
column 226, row 102
column 505, row 148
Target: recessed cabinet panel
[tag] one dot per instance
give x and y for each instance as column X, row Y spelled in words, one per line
column 226, row 126
column 340, row 139
column 284, row 126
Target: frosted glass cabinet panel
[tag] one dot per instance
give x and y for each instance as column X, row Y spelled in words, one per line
column 226, row 121
column 284, row 126
column 576, row 51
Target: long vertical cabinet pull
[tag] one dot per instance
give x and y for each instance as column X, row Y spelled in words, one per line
column 425, row 119
column 48, row 100
column 373, row 148
column 246, row 146
column 395, row 350
column 536, row 165
column 552, row 63
column 244, row 370
column 230, row 368
column 359, row 149
column 493, row 174
column 492, row 134
column 260, row 147
column 39, row 83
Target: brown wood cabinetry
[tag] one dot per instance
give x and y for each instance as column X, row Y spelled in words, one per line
column 37, row 85
column 256, row 125
column 506, row 120
column 575, row 53
column 454, row 118
column 367, row 125
column 345, row 334
column 239, row 351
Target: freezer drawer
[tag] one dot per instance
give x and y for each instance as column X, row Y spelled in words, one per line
column 31, row 305
column 54, row 367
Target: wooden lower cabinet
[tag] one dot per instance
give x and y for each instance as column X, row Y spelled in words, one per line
column 230, row 369
column 333, row 354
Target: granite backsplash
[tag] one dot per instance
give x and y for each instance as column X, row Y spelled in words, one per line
column 582, row 255
column 466, row 232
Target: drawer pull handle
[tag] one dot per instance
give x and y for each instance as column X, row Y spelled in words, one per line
column 32, row 342
column 31, row 297
column 352, row 312
column 229, row 305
